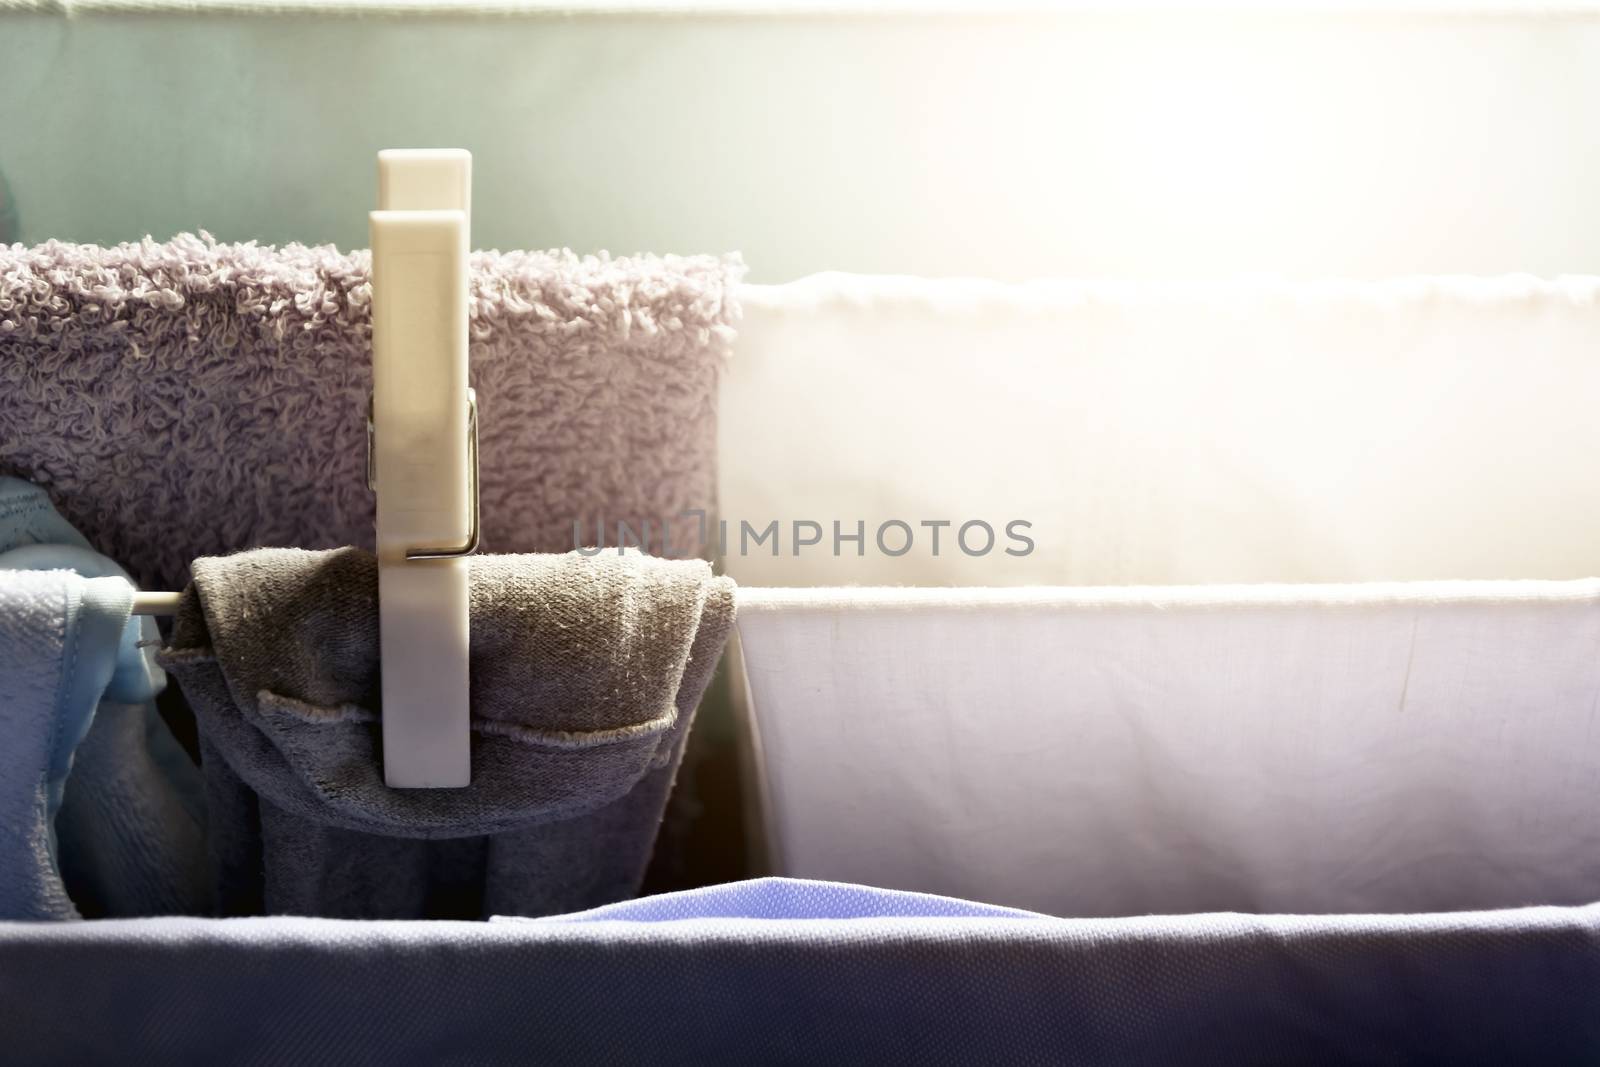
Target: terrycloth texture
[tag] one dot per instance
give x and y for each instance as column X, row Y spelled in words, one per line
column 786, row 973
column 585, row 676
column 1371, row 748
column 195, row 398
column 129, row 818
column 58, row 647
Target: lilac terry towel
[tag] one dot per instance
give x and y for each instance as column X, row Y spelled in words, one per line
column 194, row 398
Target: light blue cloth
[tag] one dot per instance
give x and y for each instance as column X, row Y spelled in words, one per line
column 123, row 832
column 58, row 649
column 785, row 898
column 786, row 972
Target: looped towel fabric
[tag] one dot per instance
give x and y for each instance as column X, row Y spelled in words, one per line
column 194, row 398
column 586, row 671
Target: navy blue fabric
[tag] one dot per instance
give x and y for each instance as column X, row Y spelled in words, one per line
column 911, row 980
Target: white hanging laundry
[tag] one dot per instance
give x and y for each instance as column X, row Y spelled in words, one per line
column 1424, row 428
column 1367, row 748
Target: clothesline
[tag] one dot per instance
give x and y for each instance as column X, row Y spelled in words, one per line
column 900, row 598
column 156, row 603
column 166, row 603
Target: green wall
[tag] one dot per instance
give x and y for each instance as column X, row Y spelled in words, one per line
column 1156, row 145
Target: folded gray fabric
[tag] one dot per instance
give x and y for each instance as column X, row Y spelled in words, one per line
column 585, row 675
column 194, row 398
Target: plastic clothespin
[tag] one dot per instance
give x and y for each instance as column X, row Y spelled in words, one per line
column 423, row 462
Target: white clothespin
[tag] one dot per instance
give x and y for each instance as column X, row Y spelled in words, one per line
column 423, row 462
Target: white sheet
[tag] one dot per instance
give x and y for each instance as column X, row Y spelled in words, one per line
column 1431, row 428
column 1381, row 748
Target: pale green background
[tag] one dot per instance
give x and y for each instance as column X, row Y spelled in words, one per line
column 1080, row 145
